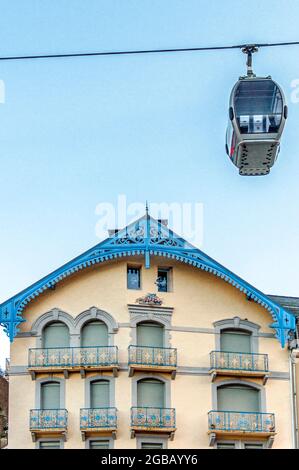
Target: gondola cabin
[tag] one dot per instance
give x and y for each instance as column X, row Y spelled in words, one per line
column 257, row 114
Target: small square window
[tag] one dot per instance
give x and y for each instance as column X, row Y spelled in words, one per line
column 133, row 277
column 164, row 279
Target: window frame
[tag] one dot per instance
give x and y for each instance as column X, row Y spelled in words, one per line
column 139, row 268
column 169, row 271
column 49, row 439
column 99, row 439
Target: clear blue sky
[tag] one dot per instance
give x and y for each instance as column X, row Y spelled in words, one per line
column 76, row 132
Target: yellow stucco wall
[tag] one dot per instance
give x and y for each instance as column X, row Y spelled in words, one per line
column 198, row 299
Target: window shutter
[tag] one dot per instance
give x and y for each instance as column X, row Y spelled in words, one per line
column 50, row 396
column 235, row 341
column 94, row 334
column 238, row 398
column 99, row 394
column 150, row 334
column 150, row 393
column 56, row 335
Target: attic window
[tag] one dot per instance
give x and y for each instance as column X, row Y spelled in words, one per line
column 133, row 277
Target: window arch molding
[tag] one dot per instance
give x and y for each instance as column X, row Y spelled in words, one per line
column 54, row 315
column 96, row 378
column 167, row 387
column 236, row 323
column 44, row 380
column 150, row 318
column 255, row 386
column 93, row 314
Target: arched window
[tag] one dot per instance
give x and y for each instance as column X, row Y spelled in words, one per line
column 234, row 340
column 56, row 335
column 238, row 397
column 151, row 393
column 100, row 394
column 150, row 334
column 94, row 333
column 50, row 395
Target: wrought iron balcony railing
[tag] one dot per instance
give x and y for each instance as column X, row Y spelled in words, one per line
column 93, row 356
column 43, row 420
column 152, row 356
column 98, row 418
column 251, row 362
column 149, row 418
column 243, row 421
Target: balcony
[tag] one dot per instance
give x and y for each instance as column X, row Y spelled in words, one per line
column 153, row 359
column 48, row 422
column 98, row 421
column 239, row 364
column 97, row 358
column 153, row 420
column 229, row 424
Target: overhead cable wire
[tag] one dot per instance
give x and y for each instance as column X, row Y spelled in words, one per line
column 145, row 51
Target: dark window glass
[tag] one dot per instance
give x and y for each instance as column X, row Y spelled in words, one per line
column 258, row 106
column 133, row 278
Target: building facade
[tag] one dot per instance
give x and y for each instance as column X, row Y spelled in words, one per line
column 146, row 342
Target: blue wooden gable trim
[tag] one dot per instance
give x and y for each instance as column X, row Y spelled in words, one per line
column 147, row 237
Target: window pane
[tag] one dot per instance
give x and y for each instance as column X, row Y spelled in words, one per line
column 258, row 105
column 235, row 341
column 99, row 445
column 238, row 398
column 151, row 445
column 150, row 393
column 50, row 396
column 94, row 334
column 133, row 278
column 150, row 334
column 49, row 445
column 99, row 394
column 56, row 335
column 225, row 445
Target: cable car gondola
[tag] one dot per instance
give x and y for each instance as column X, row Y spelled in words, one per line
column 257, row 115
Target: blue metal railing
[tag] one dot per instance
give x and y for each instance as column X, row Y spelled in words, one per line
column 241, row 421
column 239, row 361
column 152, row 356
column 73, row 357
column 91, row 418
column 48, row 419
column 149, row 417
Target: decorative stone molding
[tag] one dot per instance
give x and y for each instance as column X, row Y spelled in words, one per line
column 237, row 323
column 141, row 313
column 74, row 324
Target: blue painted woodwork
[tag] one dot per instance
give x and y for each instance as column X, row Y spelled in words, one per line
column 147, row 237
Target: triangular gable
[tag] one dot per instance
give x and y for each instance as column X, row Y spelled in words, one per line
column 147, row 237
